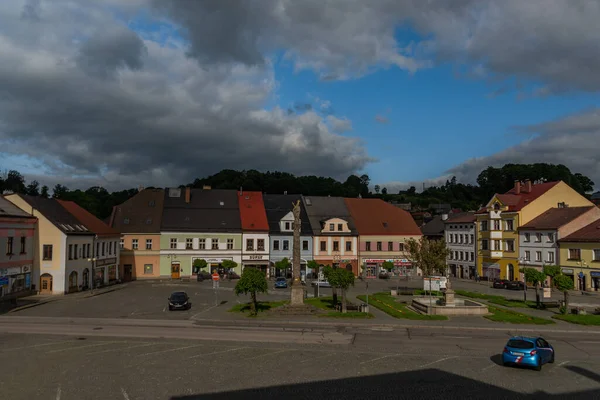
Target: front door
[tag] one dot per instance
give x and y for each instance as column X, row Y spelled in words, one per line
column 511, row 272
column 175, row 271
column 127, row 272
column 46, row 284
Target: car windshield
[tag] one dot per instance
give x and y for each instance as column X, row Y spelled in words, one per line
column 178, row 296
column 280, row 279
column 520, row 344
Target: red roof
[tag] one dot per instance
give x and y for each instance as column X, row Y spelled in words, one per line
column 554, row 218
column 590, row 233
column 93, row 224
column 252, row 211
column 516, row 202
column 377, row 217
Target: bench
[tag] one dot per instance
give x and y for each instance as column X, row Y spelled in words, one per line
column 349, row 307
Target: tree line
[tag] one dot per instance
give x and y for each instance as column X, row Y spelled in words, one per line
column 100, row 201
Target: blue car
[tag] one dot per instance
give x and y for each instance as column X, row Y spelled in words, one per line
column 529, row 352
column 281, row 283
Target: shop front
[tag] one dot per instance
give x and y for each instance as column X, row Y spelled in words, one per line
column 402, row 267
column 490, row 271
column 105, row 271
column 258, row 261
column 213, row 264
column 15, row 281
column 595, row 280
column 347, row 263
column 571, row 274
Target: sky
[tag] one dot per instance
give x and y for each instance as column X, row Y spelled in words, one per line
column 128, row 93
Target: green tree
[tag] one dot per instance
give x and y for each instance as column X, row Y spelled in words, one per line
column 44, row 192
column 384, row 191
column 15, row 182
column 552, row 271
column 229, row 265
column 312, row 264
column 328, row 271
column 387, row 265
column 429, row 255
column 252, row 281
column 60, row 191
column 283, row 265
column 536, row 277
column 564, row 284
column 199, row 264
column 341, row 278
column 377, row 189
column 33, row 189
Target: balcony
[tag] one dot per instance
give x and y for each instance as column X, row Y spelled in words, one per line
column 496, row 254
column 495, row 214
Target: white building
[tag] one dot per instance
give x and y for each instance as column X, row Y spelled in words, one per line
column 255, row 231
column 460, row 238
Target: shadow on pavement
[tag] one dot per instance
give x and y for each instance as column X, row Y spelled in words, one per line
column 422, row 384
column 9, row 305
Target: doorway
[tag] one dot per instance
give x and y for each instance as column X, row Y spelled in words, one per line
column 85, row 282
column 127, row 272
column 46, row 284
column 175, row 271
column 511, row 272
column 73, row 281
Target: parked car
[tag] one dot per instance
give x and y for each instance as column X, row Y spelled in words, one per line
column 384, row 275
column 203, row 275
column 500, row 283
column 179, row 301
column 531, row 352
column 281, row 283
column 515, row 285
column 323, row 283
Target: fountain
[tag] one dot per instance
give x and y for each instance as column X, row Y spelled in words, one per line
column 448, row 305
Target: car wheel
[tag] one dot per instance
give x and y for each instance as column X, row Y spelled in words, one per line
column 552, row 359
column 170, row 308
column 538, row 367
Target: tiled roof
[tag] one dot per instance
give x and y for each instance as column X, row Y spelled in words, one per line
column 57, row 215
column 554, row 218
column 208, row 211
column 320, row 209
column 516, row 202
column 590, row 233
column 435, row 227
column 8, row 209
column 252, row 211
column 92, row 223
column 278, row 206
column 140, row 214
column 376, row 217
column 466, row 217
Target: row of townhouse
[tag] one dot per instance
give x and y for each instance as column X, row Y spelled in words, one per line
column 51, row 246
column 165, row 231
column 530, row 226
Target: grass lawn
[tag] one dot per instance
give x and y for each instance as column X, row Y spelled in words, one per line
column 388, row 304
column 420, row 292
column 261, row 307
column 579, row 319
column 513, row 317
column 475, row 295
column 500, row 300
column 326, row 303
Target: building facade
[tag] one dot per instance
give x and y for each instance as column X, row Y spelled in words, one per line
column 199, row 224
column 278, row 208
column 139, row 220
column 383, row 231
column 255, row 231
column 460, row 239
column 580, row 257
column 17, row 251
column 335, row 238
column 498, row 223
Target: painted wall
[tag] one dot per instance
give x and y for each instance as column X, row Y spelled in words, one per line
column 544, row 246
column 263, row 254
column 397, row 241
column 453, row 233
column 79, row 263
column 140, row 257
column 328, row 253
column 277, row 255
column 559, row 193
column 587, row 256
column 17, row 228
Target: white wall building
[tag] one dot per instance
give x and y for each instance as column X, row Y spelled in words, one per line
column 460, row 238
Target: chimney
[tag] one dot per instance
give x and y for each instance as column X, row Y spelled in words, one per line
column 517, row 187
column 241, row 190
column 444, row 217
column 188, row 194
column 206, row 187
column 528, row 185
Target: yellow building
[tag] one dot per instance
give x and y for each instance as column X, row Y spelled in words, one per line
column 498, row 223
column 580, row 257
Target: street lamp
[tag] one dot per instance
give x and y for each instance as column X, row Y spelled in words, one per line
column 581, row 276
column 92, row 260
column 525, row 261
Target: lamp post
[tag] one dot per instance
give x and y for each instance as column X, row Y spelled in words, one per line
column 93, row 261
column 581, row 275
column 525, row 261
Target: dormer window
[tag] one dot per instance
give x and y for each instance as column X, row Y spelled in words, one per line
column 496, row 206
column 287, row 226
column 332, row 227
column 340, row 227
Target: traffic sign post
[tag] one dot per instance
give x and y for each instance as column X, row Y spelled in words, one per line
column 215, row 280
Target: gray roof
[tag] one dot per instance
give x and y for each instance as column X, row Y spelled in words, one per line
column 319, row 209
column 435, row 227
column 208, row 211
column 278, row 206
column 57, row 214
column 8, row 209
column 140, row 214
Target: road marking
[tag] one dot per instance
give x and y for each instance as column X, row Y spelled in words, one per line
column 38, row 345
column 169, row 350
column 437, row 361
column 80, row 347
column 125, row 396
column 486, row 368
column 589, row 342
column 376, row 359
column 202, row 312
column 316, row 358
column 267, row 354
column 455, row 337
column 218, row 352
column 120, row 348
column 58, row 392
column 563, row 363
column 165, row 309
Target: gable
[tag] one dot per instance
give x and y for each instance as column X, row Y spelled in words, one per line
column 288, row 217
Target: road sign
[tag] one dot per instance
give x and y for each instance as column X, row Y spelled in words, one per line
column 581, row 275
column 215, row 277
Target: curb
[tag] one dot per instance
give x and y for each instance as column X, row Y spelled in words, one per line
column 114, row 289
column 26, row 306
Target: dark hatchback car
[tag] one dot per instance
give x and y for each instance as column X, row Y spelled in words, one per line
column 179, row 301
column 500, row 283
column 515, row 285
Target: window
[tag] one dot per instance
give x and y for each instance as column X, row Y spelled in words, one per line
column 456, row 255
column 460, row 238
column 497, row 226
column 89, row 252
column 510, row 246
column 287, row 226
column 275, row 244
column 538, row 256
column 332, row 227
column 390, row 246
column 336, row 245
column 75, row 251
column 202, row 244
column 286, row 245
column 574, row 254
column 215, row 244
column 484, row 244
column 461, row 256
column 134, row 244
column 379, row 246
column 126, row 221
column 449, row 238
column 323, row 245
column 249, row 244
column 340, row 227
column 229, row 244
column 527, row 255
column 148, row 244
column 148, row 269
column 472, row 256
column 70, row 251
column 109, row 248
column 189, row 243
column 367, row 246
column 151, row 203
column 472, row 239
column 305, row 245
column 122, row 244
column 23, row 242
column 103, row 248
column 551, row 257
column 527, row 237
column 550, row 238
column 510, row 226
column 173, row 243
column 484, row 226
column 538, row 237
column 97, row 248
column 348, row 246
column 47, row 252
column 596, row 254
column 400, row 246
column 260, row 244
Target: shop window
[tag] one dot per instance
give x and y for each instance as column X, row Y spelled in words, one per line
column 148, row 269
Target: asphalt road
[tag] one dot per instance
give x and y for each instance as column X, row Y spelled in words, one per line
column 175, row 361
